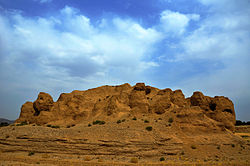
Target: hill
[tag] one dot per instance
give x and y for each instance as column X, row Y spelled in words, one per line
column 117, row 125
column 125, row 100
column 2, row 120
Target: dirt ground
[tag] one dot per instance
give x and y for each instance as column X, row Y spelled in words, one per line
column 124, row 142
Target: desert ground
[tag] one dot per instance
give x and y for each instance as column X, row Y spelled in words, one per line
column 125, row 143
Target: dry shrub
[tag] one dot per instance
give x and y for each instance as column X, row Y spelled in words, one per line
column 170, row 120
column 31, row 153
column 162, row 159
column 149, row 128
column 134, row 118
column 193, row 146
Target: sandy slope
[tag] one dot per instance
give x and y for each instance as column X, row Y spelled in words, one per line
column 116, row 143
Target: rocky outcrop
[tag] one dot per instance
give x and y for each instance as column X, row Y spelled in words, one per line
column 114, row 101
column 43, row 103
column 27, row 112
column 218, row 108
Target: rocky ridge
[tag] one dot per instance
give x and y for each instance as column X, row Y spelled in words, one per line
column 199, row 111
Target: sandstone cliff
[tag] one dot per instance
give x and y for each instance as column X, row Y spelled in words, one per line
column 201, row 112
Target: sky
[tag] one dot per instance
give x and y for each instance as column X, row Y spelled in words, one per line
column 58, row 46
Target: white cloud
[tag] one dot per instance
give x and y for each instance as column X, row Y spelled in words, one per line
column 44, row 1
column 227, row 6
column 223, row 37
column 175, row 22
column 69, row 11
column 70, row 48
column 194, row 17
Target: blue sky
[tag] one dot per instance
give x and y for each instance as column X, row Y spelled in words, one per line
column 58, row 46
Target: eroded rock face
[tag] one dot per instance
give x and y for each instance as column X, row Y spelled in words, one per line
column 219, row 108
column 27, row 113
column 114, row 101
column 138, row 102
column 178, row 98
column 43, row 103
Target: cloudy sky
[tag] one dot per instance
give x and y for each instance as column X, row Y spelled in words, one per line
column 58, row 46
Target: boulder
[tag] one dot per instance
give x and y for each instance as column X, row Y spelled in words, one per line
column 198, row 99
column 43, row 103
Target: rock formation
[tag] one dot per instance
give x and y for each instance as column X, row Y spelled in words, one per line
column 113, row 101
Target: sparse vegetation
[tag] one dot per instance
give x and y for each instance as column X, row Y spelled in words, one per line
column 52, row 126
column 134, row 160
column 149, row 128
column 146, row 121
column 218, row 147
column 98, row 122
column 193, row 146
column 56, row 127
column 134, row 118
column 241, row 123
column 102, row 123
column 120, row 121
column 22, row 123
column 233, row 145
column 182, row 152
column 170, row 120
column 162, row 159
column 89, row 125
column 31, row 153
column 3, row 124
